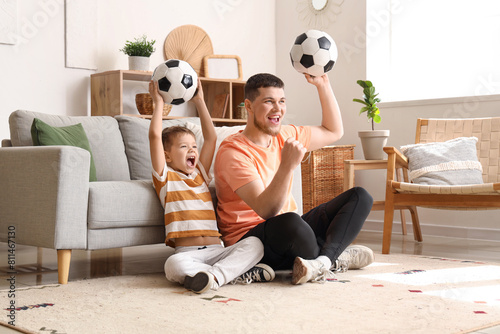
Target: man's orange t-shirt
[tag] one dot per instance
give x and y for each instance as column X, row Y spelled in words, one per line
column 239, row 161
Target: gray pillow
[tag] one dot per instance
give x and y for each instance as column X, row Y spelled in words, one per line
column 453, row 162
column 135, row 136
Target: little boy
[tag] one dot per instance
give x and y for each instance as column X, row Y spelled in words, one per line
column 180, row 178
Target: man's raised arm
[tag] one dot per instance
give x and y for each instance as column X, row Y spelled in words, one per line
column 331, row 128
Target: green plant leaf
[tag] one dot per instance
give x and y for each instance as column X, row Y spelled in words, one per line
column 370, row 101
column 361, row 83
column 360, row 101
column 140, row 47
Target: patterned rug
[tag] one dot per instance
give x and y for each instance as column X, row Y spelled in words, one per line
column 396, row 294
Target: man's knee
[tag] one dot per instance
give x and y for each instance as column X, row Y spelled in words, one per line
column 287, row 236
column 296, row 233
column 288, row 224
column 363, row 195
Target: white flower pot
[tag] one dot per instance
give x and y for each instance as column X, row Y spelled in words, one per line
column 373, row 142
column 137, row 63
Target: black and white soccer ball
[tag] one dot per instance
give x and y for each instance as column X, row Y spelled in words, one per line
column 314, row 52
column 177, row 81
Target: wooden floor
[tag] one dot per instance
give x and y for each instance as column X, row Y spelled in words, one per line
column 39, row 266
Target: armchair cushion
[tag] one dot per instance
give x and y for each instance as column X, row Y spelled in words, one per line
column 453, row 162
column 43, row 134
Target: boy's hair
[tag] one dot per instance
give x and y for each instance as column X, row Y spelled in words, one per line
column 261, row 80
column 168, row 134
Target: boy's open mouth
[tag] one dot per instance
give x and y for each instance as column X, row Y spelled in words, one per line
column 190, row 161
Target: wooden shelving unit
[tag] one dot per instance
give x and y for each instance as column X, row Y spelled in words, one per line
column 106, row 90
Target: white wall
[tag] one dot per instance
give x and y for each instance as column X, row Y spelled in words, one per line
column 302, row 102
column 400, row 118
column 33, row 72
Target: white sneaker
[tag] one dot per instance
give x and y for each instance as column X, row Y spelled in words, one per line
column 353, row 257
column 309, row 271
column 259, row 273
column 201, row 282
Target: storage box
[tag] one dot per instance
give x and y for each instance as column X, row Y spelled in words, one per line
column 323, row 174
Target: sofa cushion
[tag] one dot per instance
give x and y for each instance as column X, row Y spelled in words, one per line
column 43, row 134
column 135, row 136
column 102, row 132
column 126, row 237
column 118, row 204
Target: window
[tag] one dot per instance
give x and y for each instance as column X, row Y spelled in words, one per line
column 426, row 49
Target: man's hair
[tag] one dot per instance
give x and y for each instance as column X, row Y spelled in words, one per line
column 168, row 134
column 261, row 80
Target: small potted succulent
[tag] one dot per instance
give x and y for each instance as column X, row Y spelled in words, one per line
column 372, row 141
column 139, row 52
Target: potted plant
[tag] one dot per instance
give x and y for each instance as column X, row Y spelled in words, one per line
column 372, row 141
column 139, row 52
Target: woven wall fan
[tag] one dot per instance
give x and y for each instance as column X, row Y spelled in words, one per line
column 189, row 43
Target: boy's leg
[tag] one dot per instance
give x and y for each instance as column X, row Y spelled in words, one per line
column 224, row 263
column 186, row 261
column 230, row 262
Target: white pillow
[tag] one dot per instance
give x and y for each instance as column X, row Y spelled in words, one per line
column 453, row 162
column 222, row 133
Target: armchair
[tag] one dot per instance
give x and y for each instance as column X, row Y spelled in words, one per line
column 478, row 196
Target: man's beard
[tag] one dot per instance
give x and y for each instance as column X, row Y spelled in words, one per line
column 265, row 129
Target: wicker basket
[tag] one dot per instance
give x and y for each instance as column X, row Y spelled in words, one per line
column 240, row 113
column 145, row 105
column 323, row 174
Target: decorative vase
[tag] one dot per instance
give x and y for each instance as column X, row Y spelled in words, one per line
column 373, row 142
column 137, row 63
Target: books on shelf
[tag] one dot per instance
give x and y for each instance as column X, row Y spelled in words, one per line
column 220, row 106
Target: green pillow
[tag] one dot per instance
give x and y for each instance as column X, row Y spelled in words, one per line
column 43, row 134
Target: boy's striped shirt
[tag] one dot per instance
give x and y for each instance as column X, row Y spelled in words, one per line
column 189, row 211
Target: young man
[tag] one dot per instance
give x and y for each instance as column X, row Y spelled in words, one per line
column 200, row 261
column 253, row 177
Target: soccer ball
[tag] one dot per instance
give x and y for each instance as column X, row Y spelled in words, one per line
column 177, row 81
column 314, row 52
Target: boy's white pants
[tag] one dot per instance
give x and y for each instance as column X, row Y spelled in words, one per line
column 225, row 263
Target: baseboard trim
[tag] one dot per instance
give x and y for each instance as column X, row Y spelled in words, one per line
column 439, row 230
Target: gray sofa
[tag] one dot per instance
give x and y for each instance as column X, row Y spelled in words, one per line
column 46, row 195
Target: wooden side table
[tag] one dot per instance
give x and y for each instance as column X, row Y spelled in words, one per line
column 352, row 165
